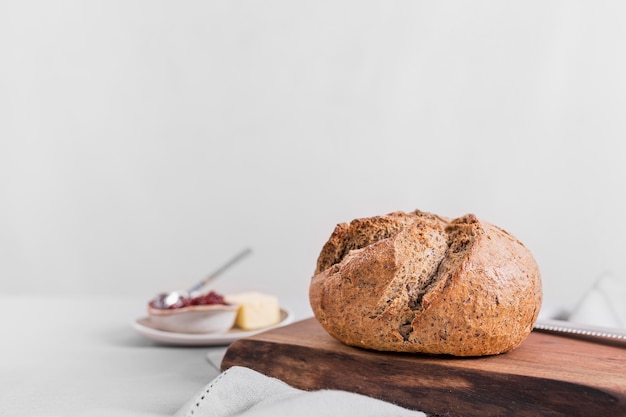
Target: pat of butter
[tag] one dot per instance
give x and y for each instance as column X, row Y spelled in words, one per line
column 256, row 310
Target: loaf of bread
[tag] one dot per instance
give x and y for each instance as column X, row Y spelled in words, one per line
column 418, row 282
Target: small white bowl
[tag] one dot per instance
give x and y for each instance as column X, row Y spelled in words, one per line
column 211, row 318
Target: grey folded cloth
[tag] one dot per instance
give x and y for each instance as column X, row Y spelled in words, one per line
column 603, row 305
column 243, row 392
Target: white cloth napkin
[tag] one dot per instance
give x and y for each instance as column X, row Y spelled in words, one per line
column 604, row 304
column 243, row 392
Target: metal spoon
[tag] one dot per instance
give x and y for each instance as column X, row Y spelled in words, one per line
column 175, row 299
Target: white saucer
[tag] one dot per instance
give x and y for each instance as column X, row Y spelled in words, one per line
column 142, row 326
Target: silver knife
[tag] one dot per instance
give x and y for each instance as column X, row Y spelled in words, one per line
column 562, row 326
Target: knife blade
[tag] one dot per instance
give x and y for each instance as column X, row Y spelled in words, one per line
column 562, row 326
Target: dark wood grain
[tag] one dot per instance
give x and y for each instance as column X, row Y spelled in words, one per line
column 548, row 375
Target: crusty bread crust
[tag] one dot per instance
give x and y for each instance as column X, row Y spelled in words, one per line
column 417, row 282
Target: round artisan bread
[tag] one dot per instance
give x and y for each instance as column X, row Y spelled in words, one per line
column 418, row 282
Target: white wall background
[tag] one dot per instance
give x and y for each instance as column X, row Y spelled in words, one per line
column 142, row 143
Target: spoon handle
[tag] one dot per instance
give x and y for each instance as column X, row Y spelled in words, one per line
column 220, row 270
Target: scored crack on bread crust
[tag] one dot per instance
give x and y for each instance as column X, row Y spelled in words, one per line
column 417, row 282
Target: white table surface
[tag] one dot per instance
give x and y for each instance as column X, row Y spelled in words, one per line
column 79, row 356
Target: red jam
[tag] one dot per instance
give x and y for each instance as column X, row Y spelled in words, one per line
column 210, row 298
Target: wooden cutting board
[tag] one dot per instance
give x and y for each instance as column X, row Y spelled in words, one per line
column 548, row 375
